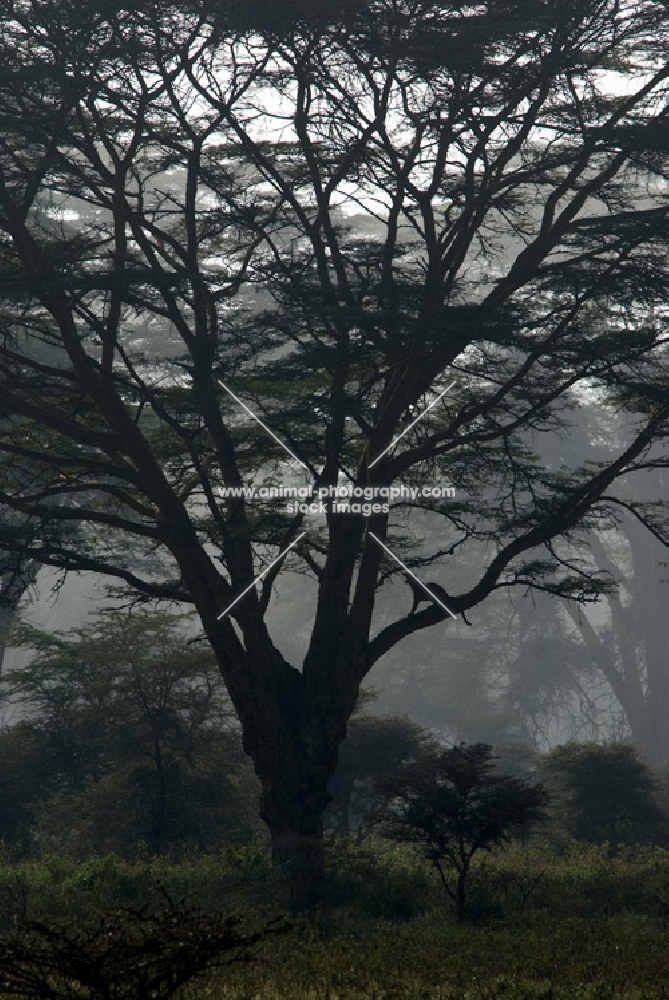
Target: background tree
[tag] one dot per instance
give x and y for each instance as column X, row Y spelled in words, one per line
column 134, row 737
column 547, row 671
column 606, row 793
column 453, row 804
column 629, row 648
column 214, row 153
column 374, row 747
column 24, row 774
column 602, row 672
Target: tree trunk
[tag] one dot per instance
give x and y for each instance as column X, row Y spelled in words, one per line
column 295, row 762
column 293, row 723
column 161, row 796
column 460, row 905
column 639, row 673
column 293, row 810
column 300, row 856
column 346, row 808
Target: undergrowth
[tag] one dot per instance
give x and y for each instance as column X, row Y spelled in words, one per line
column 585, row 922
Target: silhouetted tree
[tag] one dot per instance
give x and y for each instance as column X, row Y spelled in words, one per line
column 452, row 804
column 193, row 155
column 125, row 954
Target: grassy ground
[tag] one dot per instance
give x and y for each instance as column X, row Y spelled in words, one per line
column 577, row 923
column 569, row 958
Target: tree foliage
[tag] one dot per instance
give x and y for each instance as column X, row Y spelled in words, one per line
column 607, row 794
column 452, row 803
column 374, row 747
column 125, row 734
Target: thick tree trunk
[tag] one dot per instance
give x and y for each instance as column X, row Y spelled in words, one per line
column 292, row 806
column 300, row 857
column 292, row 736
column 293, row 721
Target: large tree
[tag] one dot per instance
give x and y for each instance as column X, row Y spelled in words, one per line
column 178, row 178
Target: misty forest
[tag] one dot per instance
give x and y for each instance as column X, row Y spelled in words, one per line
column 334, row 539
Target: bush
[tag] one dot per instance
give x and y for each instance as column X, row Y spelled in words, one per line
column 124, row 953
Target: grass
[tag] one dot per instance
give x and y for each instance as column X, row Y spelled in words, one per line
column 545, row 925
column 585, row 958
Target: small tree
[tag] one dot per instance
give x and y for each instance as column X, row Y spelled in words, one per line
column 453, row 804
column 606, row 793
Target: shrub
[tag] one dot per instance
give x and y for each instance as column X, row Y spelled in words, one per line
column 124, row 953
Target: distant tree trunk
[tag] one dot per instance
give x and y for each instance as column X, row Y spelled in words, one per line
column 346, row 808
column 7, row 617
column 160, row 805
column 12, row 590
column 460, row 900
column 650, row 598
